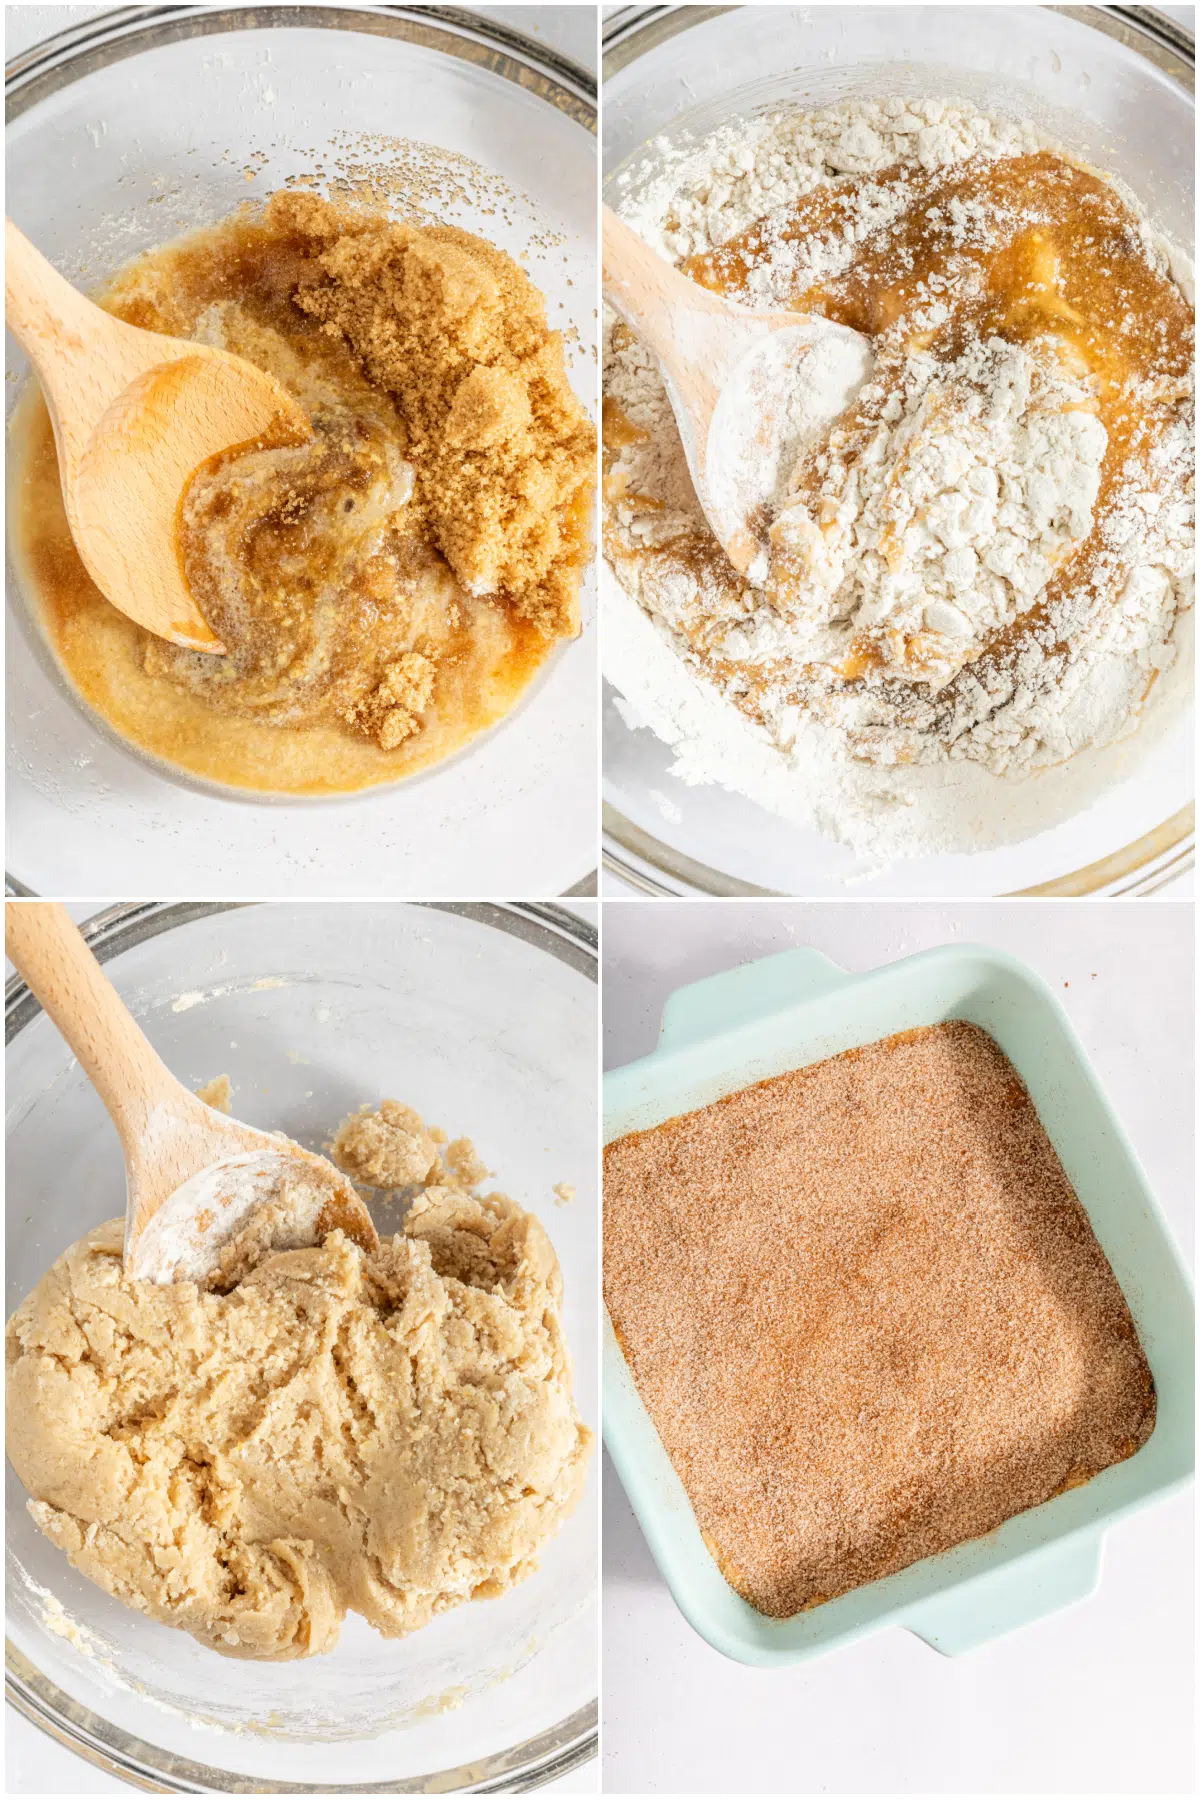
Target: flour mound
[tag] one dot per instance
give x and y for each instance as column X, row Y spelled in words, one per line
column 945, row 521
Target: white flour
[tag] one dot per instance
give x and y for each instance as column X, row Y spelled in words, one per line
column 939, row 524
column 974, row 484
column 777, row 403
column 751, row 169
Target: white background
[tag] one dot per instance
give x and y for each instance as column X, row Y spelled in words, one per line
column 1095, row 1699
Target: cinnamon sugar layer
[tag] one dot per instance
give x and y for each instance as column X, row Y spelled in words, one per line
column 867, row 1314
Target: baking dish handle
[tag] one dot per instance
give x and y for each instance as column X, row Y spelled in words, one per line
column 1019, row 1594
column 739, row 996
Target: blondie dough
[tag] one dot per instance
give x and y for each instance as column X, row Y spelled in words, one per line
column 388, row 1434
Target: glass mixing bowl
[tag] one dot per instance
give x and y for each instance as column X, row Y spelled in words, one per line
column 1116, row 89
column 484, row 1018
column 150, row 121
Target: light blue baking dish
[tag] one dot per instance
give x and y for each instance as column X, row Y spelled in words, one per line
column 796, row 1008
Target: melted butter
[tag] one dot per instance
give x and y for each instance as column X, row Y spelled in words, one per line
column 215, row 726
column 1071, row 260
column 618, row 430
column 1070, row 268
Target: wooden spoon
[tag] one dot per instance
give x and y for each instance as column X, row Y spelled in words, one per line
column 192, row 1173
column 749, row 390
column 135, row 414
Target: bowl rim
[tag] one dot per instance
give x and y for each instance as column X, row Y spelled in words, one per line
column 566, row 1746
column 65, row 56
column 650, row 866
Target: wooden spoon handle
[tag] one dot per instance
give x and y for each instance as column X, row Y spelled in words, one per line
column 695, row 336
column 83, row 356
column 41, row 308
column 650, row 294
column 126, row 1072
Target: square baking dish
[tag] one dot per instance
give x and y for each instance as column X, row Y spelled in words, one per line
column 784, row 1012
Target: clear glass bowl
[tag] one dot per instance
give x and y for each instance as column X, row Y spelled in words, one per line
column 147, row 122
column 1116, row 90
column 484, row 1018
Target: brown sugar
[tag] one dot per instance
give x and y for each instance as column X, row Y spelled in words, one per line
column 867, row 1314
column 449, row 325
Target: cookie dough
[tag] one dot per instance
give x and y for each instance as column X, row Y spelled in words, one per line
column 385, row 1148
column 388, row 1434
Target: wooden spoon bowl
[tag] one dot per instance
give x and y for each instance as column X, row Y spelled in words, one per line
column 731, row 377
column 193, row 1175
column 135, row 414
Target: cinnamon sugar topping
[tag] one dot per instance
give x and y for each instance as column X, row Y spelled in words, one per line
column 867, row 1314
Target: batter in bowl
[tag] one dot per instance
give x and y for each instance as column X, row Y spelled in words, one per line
column 385, row 591
column 317, row 1431
column 978, row 574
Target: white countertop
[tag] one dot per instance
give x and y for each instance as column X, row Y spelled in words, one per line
column 1097, row 1698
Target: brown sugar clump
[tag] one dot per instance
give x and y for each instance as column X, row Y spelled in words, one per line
column 867, row 1314
column 392, row 711
column 503, row 452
